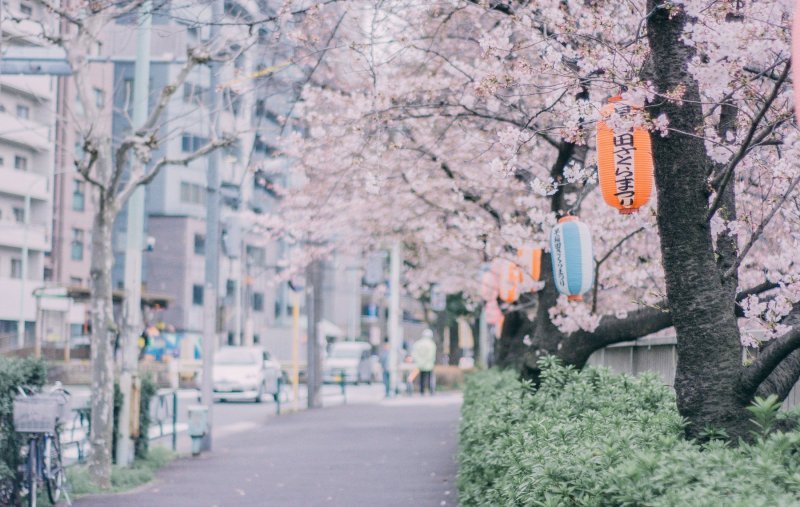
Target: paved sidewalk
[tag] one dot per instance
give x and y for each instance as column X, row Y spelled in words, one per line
column 394, row 453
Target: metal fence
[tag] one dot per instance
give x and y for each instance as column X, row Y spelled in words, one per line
column 163, row 423
column 656, row 355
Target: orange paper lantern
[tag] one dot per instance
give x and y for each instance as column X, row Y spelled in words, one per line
column 624, row 161
column 530, row 260
column 509, row 279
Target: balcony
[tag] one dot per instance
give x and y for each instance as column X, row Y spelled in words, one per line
column 15, row 235
column 24, row 183
column 37, row 87
column 24, row 132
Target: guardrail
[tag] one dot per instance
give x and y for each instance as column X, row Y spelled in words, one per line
column 163, row 418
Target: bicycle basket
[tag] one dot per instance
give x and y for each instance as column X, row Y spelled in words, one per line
column 39, row 413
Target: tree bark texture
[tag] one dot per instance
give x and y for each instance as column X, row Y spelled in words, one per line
column 102, row 351
column 708, row 342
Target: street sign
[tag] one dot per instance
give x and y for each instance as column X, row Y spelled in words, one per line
column 374, row 274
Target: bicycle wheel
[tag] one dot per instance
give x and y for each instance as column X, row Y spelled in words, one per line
column 55, row 477
column 31, row 471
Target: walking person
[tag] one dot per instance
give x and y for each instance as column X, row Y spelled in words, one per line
column 424, row 354
column 385, row 358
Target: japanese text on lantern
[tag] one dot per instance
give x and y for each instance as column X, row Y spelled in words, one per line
column 623, row 157
column 559, row 260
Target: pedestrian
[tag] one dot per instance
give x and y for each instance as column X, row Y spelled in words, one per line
column 385, row 357
column 424, row 353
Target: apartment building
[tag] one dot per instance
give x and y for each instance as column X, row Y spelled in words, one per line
column 27, row 136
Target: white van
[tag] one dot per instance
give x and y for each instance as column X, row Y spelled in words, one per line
column 353, row 359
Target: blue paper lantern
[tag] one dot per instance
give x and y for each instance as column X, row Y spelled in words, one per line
column 572, row 257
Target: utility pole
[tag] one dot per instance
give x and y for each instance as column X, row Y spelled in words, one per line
column 314, row 312
column 295, row 348
column 211, row 292
column 394, row 315
column 26, row 221
column 133, row 247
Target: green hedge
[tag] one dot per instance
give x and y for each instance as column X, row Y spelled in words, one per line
column 13, row 372
column 593, row 438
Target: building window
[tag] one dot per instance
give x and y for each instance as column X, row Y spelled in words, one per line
column 230, row 288
column 78, row 105
column 256, row 256
column 23, row 111
column 74, row 280
column 192, row 193
column 2, row 162
column 99, row 98
column 192, row 32
column 197, row 295
column 47, row 275
column 16, row 268
column 25, row 9
column 78, row 195
column 190, row 143
column 256, row 339
column 199, row 244
column 20, row 163
column 76, row 250
column 258, row 302
column 19, row 215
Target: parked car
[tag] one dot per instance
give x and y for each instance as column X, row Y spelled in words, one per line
column 245, row 373
column 353, row 359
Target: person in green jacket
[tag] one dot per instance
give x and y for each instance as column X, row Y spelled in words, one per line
column 424, row 354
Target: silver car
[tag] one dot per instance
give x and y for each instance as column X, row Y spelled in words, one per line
column 245, row 374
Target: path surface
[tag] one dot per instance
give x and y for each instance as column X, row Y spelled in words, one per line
column 393, row 453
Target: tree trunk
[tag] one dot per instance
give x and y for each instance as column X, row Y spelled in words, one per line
column 455, row 350
column 103, row 332
column 509, row 349
column 709, row 355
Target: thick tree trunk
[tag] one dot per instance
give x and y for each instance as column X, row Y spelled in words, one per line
column 509, row 349
column 102, row 353
column 709, row 354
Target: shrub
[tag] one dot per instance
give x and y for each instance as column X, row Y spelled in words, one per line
column 13, row 373
column 148, row 390
column 593, row 438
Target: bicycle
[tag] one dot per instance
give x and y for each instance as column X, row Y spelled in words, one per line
column 40, row 415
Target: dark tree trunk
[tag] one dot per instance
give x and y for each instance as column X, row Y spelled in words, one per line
column 509, row 349
column 709, row 354
column 455, row 350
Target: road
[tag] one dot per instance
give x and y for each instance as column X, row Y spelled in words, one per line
column 229, row 417
column 398, row 452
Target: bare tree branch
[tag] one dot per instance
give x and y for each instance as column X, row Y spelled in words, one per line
column 722, row 179
column 145, row 178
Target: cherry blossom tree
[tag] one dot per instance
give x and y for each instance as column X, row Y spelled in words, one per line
column 466, row 129
column 113, row 171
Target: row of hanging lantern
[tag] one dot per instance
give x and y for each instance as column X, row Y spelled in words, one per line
column 625, row 174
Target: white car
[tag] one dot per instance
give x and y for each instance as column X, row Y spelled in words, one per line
column 353, row 359
column 245, row 373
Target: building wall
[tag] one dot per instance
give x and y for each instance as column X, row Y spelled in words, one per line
column 27, row 117
column 73, row 197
